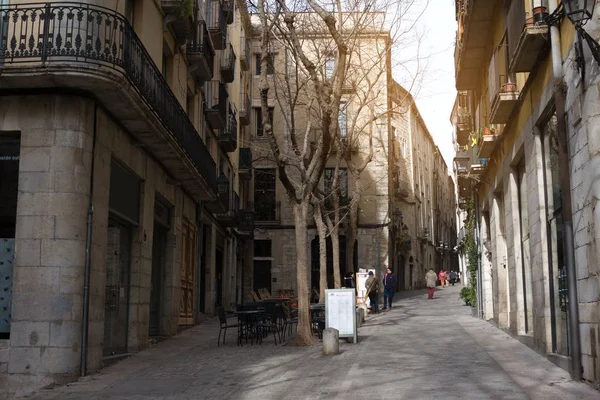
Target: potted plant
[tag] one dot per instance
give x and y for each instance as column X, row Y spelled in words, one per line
column 489, row 130
column 509, row 87
column 467, row 294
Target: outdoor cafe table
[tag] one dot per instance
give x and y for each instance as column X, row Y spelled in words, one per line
column 247, row 320
column 317, row 316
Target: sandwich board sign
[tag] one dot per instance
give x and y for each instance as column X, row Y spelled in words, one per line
column 340, row 312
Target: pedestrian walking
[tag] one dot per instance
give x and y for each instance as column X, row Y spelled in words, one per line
column 372, row 285
column 452, row 277
column 389, row 286
column 431, row 279
column 442, row 277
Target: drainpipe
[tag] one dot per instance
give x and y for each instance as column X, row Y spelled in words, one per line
column 88, row 259
column 567, row 210
column 479, row 288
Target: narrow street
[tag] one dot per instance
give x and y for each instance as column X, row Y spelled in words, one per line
column 422, row 349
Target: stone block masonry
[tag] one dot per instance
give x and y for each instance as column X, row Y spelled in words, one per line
column 55, row 167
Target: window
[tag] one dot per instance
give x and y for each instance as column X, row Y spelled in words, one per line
column 265, row 205
column 259, row 121
column 329, row 67
column 343, row 181
column 270, row 64
column 342, row 120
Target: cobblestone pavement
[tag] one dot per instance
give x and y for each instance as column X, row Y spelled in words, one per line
column 422, row 349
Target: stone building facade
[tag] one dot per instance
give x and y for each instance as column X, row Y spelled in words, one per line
column 124, row 204
column 273, row 260
column 507, row 133
column 423, row 201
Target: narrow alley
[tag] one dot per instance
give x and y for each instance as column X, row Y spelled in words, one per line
column 422, row 349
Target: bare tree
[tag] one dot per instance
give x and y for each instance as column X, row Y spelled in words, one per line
column 308, row 87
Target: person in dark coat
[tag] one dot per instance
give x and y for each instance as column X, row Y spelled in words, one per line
column 389, row 286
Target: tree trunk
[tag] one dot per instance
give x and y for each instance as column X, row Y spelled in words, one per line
column 304, row 336
column 352, row 230
column 335, row 244
column 322, row 230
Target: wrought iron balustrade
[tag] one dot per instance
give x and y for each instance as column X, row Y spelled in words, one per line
column 200, row 54
column 216, row 23
column 246, row 107
column 43, row 34
column 268, row 211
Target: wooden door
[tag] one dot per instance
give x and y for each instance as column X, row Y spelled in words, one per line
column 188, row 267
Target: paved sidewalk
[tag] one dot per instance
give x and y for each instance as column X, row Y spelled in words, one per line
column 422, row 349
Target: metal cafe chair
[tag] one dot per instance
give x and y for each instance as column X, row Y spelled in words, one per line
column 224, row 324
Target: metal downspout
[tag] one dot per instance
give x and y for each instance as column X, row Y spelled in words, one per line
column 88, row 258
column 567, row 211
column 479, row 283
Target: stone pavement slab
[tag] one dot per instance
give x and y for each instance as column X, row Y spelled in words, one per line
column 421, row 349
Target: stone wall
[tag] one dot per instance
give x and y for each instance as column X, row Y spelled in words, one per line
column 54, row 185
column 55, row 162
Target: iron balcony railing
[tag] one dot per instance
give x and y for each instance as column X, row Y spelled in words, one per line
column 216, row 23
column 228, row 11
column 245, row 54
column 228, row 135
column 267, row 211
column 228, row 59
column 48, row 33
column 245, row 161
column 200, row 54
column 246, row 107
column 216, row 104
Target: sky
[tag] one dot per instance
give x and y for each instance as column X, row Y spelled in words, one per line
column 435, row 91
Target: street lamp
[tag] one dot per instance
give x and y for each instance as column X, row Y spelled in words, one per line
column 579, row 13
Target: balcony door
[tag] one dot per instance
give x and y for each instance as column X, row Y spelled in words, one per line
column 265, row 195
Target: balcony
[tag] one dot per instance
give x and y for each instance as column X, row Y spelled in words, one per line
column 245, row 227
column 526, row 39
column 501, row 89
column 216, row 104
column 462, row 133
column 116, row 70
column 461, row 162
column 228, row 11
column 486, row 145
column 267, row 212
column 216, row 24
column 230, row 216
column 176, row 17
column 200, row 55
column 228, row 59
column 478, row 168
column 245, row 54
column 228, row 136
column 472, row 40
column 246, row 109
column 502, row 106
column 222, row 203
column 245, row 163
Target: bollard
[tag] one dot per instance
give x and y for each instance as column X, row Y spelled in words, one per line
column 359, row 317
column 365, row 310
column 331, row 344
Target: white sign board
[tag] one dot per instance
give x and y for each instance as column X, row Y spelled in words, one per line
column 340, row 311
